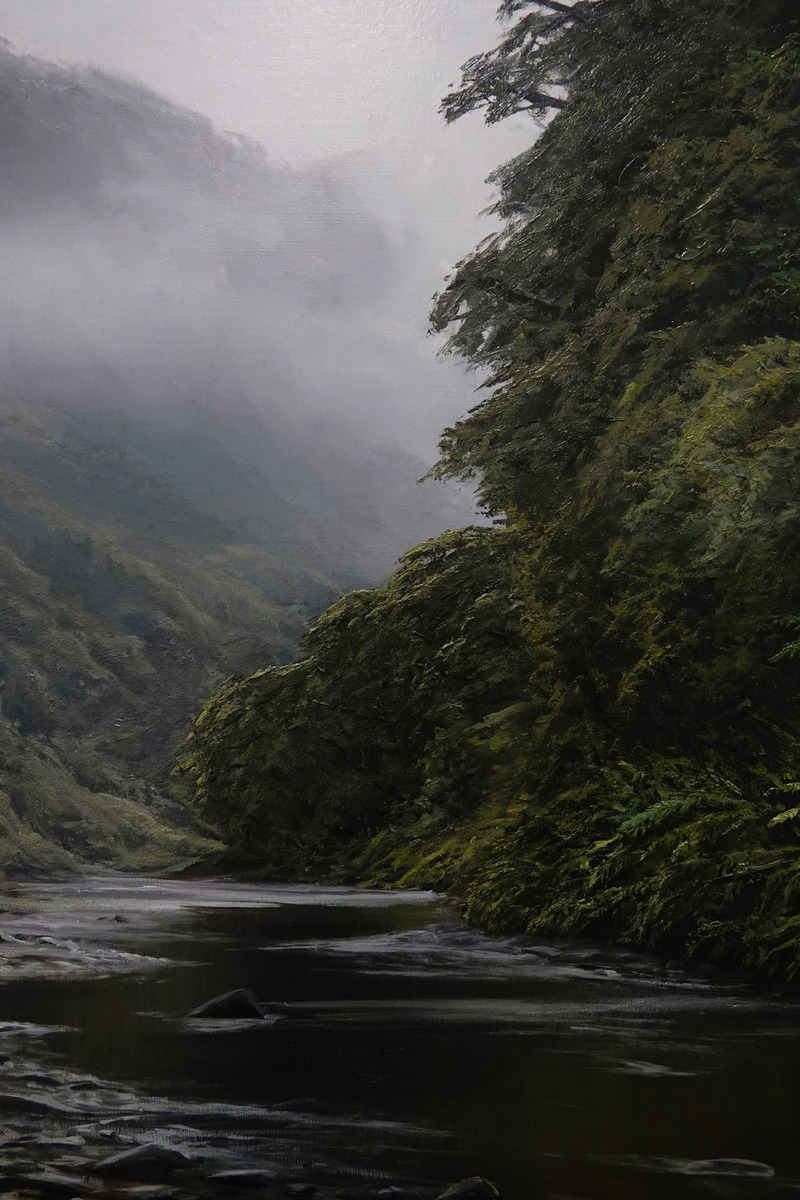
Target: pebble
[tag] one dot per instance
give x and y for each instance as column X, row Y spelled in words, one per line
column 244, row 1177
column 473, row 1188
column 147, row 1191
column 142, row 1160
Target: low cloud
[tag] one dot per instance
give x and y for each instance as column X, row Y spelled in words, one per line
column 137, row 239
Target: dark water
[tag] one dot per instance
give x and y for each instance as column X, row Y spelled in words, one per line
column 554, row 1070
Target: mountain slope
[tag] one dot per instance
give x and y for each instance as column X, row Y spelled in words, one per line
column 119, row 606
column 180, row 493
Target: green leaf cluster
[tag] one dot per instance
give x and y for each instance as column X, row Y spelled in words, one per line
column 401, row 706
column 602, row 736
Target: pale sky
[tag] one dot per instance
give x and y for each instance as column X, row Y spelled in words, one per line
column 355, row 82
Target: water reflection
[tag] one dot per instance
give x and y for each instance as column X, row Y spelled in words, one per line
column 555, row 1070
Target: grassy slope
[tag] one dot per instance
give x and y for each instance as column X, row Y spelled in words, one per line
column 120, row 607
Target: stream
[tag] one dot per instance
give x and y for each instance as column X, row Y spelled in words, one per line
column 400, row 1052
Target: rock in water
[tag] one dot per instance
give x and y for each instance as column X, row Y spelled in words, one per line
column 142, row 1162
column 474, row 1188
column 244, row 1178
column 46, row 1183
column 743, row 1168
column 240, row 1004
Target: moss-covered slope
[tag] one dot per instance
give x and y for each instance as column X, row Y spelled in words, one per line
column 120, row 606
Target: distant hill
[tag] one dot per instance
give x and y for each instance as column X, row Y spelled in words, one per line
column 171, row 512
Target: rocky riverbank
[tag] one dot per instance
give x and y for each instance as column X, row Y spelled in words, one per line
column 168, row 1040
column 69, row 1134
column 64, row 1134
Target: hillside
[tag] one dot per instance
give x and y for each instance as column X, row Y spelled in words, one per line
column 585, row 720
column 121, row 604
column 177, row 501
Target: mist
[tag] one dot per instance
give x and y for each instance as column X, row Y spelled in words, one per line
column 136, row 237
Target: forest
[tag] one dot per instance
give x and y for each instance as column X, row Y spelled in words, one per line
column 364, row 840
column 583, row 717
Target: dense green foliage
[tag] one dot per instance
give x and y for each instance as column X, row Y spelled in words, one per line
column 120, row 606
column 384, row 718
column 622, row 758
column 124, row 600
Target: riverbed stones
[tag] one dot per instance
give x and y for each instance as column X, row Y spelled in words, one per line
column 240, row 1004
column 142, row 1162
column 46, row 1183
column 73, row 1142
column 16, row 1102
column 146, row 1191
column 244, row 1177
column 473, row 1188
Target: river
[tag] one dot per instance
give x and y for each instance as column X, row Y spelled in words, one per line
column 432, row 1053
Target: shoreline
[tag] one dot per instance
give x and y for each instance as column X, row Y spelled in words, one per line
column 60, row 1127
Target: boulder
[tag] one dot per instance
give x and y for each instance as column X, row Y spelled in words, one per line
column 146, row 1191
column 142, row 1162
column 238, row 1005
column 244, row 1177
column 741, row 1168
column 474, row 1188
column 46, row 1183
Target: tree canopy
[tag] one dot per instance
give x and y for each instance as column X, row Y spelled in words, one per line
column 636, row 323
